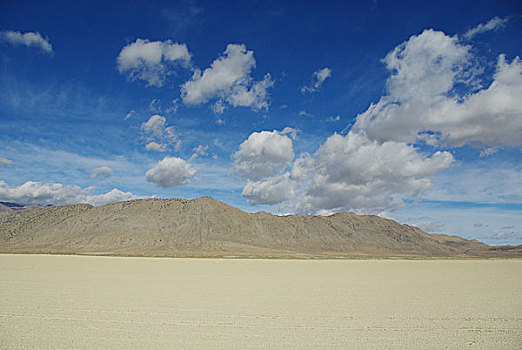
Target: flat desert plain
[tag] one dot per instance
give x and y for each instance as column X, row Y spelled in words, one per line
column 80, row 302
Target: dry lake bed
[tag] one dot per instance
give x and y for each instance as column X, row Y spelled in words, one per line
column 80, row 302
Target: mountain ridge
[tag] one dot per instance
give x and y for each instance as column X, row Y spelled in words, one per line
column 205, row 227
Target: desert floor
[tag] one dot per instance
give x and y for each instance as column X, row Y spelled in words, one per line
column 55, row 302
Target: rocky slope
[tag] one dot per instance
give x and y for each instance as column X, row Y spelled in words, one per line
column 206, row 227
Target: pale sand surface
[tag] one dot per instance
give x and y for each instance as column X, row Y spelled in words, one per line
column 54, row 302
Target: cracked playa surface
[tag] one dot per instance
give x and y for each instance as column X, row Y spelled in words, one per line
column 123, row 303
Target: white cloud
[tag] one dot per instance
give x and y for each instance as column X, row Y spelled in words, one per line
column 272, row 190
column 493, row 24
column 305, row 114
column 263, row 154
column 102, row 171
column 228, row 80
column 356, row 174
column 422, row 103
column 279, row 188
column 156, row 129
column 347, row 173
column 317, row 81
column 131, row 113
column 333, row 119
column 426, row 224
column 429, row 61
column 154, row 146
column 431, row 226
column 170, row 172
column 218, row 107
column 434, row 95
column 255, row 96
column 155, row 125
column 225, row 72
column 199, row 151
column 4, row 161
column 38, row 193
column 29, row 39
column 155, row 106
column 149, row 60
column 290, row 131
column 173, row 107
column 486, row 152
column 112, row 196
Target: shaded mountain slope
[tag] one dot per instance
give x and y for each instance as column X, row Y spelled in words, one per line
column 206, row 227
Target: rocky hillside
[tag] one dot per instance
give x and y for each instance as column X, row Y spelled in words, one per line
column 206, row 227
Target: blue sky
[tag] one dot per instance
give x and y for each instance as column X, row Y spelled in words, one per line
column 407, row 110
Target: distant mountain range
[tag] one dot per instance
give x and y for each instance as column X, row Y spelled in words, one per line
column 11, row 205
column 205, row 227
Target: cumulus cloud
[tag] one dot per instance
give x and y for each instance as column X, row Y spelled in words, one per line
column 112, row 196
column 318, row 78
column 155, row 125
column 170, row 172
column 228, row 80
column 150, row 60
column 154, row 146
column 273, row 190
column 347, row 173
column 39, row 193
column 423, row 103
column 437, row 94
column 264, row 154
column 353, row 173
column 493, row 24
column 4, row 161
column 29, row 39
column 102, row 171
column 156, row 129
column 255, row 96
column 282, row 187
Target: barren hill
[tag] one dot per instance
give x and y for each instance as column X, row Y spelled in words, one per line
column 206, row 227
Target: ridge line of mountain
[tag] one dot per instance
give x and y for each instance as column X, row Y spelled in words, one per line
column 205, row 227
